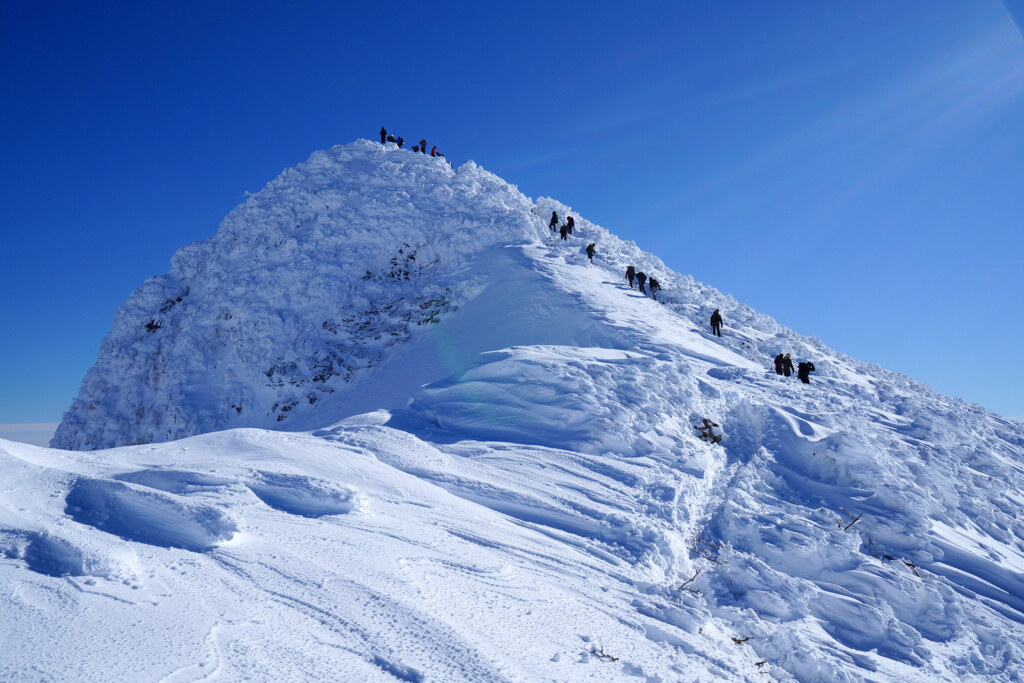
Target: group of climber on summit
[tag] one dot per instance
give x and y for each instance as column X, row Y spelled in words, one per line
column 421, row 148
column 642, row 279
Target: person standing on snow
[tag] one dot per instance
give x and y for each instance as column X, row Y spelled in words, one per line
column 803, row 370
column 433, row 151
column 654, row 286
column 383, row 134
column 400, row 141
column 630, row 274
column 564, row 232
column 570, row 223
column 778, row 364
column 591, row 248
column 641, row 278
column 787, row 365
column 716, row 323
column 554, row 221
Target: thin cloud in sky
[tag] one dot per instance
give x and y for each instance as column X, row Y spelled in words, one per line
column 1016, row 12
column 905, row 114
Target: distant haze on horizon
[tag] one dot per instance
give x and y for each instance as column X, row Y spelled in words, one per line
column 38, row 434
column 854, row 171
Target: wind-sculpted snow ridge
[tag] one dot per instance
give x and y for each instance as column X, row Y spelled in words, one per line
column 510, row 485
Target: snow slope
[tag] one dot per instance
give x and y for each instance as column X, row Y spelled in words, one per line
column 510, row 486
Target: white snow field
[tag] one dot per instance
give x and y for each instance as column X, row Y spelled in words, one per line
column 384, row 426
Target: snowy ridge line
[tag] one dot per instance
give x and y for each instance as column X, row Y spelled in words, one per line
column 755, row 335
column 315, row 281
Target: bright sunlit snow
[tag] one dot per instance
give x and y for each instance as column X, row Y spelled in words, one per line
column 392, row 428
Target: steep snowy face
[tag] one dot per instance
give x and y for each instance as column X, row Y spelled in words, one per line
column 305, row 286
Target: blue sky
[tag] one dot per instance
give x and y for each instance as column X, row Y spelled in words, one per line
column 853, row 169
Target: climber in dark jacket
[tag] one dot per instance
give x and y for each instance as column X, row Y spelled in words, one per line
column 564, row 232
column 654, row 286
column 641, row 278
column 716, row 323
column 630, row 274
column 778, row 364
column 787, row 365
column 803, row 370
column 570, row 223
column 554, row 221
column 591, row 248
column 423, row 146
column 400, row 141
column 383, row 134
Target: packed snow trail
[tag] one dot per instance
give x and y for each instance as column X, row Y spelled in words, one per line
column 491, row 470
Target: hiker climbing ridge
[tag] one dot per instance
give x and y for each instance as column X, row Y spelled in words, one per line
column 716, row 323
column 803, row 371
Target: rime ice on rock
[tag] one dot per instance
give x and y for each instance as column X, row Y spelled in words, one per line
column 308, row 284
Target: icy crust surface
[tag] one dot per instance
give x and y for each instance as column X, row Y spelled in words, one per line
column 518, row 493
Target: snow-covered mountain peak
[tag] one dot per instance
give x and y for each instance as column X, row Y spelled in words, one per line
column 481, row 458
column 328, row 272
column 359, row 204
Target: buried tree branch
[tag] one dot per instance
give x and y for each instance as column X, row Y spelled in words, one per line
column 855, row 520
column 703, row 553
column 913, row 568
column 600, row 654
column 685, row 585
column 910, row 565
column 706, row 551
